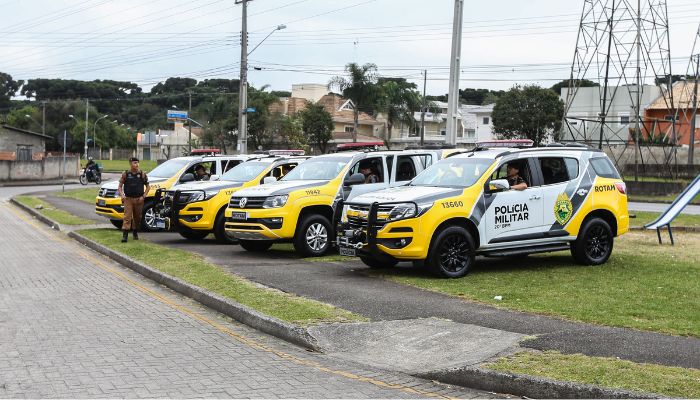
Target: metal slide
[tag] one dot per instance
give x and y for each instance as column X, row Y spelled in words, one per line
column 674, row 209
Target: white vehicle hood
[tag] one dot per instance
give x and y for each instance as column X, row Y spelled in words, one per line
column 278, row 188
column 417, row 194
column 207, row 185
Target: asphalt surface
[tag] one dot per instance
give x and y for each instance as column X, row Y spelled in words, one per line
column 77, row 325
column 351, row 287
column 690, row 209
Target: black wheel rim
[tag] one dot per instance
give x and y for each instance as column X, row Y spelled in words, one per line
column 454, row 254
column 597, row 242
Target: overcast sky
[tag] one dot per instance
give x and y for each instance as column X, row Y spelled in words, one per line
column 504, row 41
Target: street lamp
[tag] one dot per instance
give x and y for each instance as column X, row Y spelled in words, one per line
column 30, row 117
column 243, row 91
column 94, row 127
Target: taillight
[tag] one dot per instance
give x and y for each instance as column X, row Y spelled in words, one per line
column 621, row 187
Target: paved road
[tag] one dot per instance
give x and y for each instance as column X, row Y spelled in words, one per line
column 74, row 324
column 350, row 287
column 690, row 209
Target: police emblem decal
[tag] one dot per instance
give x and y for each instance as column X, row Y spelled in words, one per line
column 563, row 209
column 242, row 202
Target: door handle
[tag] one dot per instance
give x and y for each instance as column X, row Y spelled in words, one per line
column 535, row 197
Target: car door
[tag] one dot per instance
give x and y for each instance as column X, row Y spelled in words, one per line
column 557, row 174
column 513, row 216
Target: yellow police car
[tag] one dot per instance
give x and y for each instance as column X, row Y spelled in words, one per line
column 563, row 198
column 301, row 207
column 196, row 209
column 177, row 170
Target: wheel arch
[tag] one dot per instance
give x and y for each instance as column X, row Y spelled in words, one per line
column 604, row 214
column 326, row 211
column 465, row 223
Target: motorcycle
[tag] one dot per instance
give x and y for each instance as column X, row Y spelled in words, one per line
column 96, row 177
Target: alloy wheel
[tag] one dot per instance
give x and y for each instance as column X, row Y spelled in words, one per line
column 597, row 242
column 454, row 253
column 316, row 236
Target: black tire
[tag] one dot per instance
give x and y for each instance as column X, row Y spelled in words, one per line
column 191, row 234
column 314, row 236
column 83, row 179
column 98, row 179
column 220, row 229
column 255, row 246
column 118, row 223
column 148, row 219
column 594, row 243
column 379, row 263
column 451, row 253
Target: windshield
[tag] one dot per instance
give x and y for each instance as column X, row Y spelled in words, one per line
column 325, row 169
column 453, row 172
column 168, row 168
column 244, row 172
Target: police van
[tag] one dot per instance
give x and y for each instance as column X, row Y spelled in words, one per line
column 172, row 172
column 196, row 209
column 563, row 198
column 302, row 206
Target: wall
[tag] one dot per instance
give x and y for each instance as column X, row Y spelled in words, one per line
column 651, row 155
column 49, row 168
column 9, row 140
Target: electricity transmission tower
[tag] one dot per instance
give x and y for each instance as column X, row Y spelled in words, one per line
column 622, row 46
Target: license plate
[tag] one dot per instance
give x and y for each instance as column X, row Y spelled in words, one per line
column 240, row 216
column 101, row 202
column 346, row 251
column 160, row 223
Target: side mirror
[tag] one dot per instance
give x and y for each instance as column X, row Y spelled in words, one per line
column 214, row 178
column 497, row 185
column 354, row 179
column 269, row 179
column 188, row 177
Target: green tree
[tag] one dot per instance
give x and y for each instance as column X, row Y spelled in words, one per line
column 317, row 124
column 398, row 99
column 260, row 126
column 577, row 82
column 528, row 112
column 8, row 88
column 27, row 117
column 360, row 86
column 292, row 131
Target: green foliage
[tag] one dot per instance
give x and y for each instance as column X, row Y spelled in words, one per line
column 18, row 118
column 292, row 132
column 529, row 112
column 281, row 93
column 44, row 89
column 360, row 86
column 8, row 88
column 317, row 125
column 398, row 99
column 51, row 212
column 260, row 126
column 478, row 96
column 576, row 82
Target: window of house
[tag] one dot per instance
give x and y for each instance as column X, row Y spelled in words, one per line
column 471, row 134
column 669, row 117
column 485, row 121
column 347, row 106
column 624, row 119
column 24, row 152
column 349, row 129
column 443, row 132
column 558, row 169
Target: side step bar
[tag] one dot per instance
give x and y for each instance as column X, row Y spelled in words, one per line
column 526, row 250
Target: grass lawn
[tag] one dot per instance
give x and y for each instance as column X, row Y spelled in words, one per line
column 87, row 194
column 193, row 269
column 48, row 210
column 123, row 165
column 659, row 199
column 608, row 372
column 644, row 285
column 644, row 217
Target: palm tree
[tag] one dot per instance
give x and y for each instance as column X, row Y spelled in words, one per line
column 360, row 86
column 398, row 99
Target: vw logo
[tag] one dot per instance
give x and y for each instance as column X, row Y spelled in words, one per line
column 242, row 202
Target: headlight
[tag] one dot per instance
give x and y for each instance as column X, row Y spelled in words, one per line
column 275, row 201
column 204, row 195
column 408, row 210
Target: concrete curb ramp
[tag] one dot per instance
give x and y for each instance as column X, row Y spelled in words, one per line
column 472, row 377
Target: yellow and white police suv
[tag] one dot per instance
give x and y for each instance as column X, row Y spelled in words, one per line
column 168, row 174
column 302, row 206
column 463, row 206
column 196, row 209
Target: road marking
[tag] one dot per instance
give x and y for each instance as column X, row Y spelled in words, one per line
column 242, row 339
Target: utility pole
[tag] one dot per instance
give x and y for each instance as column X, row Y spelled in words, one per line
column 43, row 118
column 189, row 125
column 87, row 108
column 604, row 105
column 243, row 88
column 453, row 95
column 423, row 109
column 693, row 120
column 63, row 174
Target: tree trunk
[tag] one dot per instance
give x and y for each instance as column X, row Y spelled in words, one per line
column 356, row 115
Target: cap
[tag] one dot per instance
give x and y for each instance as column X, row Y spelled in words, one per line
column 132, row 159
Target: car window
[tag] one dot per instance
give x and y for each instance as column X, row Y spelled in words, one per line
column 230, row 164
column 321, row 168
column 604, row 168
column 406, row 168
column 168, row 168
column 523, row 167
column 558, row 169
column 453, row 172
column 373, row 165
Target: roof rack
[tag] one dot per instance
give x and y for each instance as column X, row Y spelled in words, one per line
column 511, row 143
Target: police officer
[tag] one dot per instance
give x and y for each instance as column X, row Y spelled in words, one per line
column 515, row 181
column 133, row 186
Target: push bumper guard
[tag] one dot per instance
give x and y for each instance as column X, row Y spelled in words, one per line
column 361, row 234
column 168, row 208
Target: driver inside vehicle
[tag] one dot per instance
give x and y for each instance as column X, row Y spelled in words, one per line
column 515, row 181
column 200, row 173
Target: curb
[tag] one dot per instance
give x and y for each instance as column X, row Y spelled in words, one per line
column 36, row 183
column 529, row 386
column 36, row 214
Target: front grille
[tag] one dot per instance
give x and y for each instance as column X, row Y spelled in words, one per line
column 251, row 202
column 360, row 222
column 107, row 192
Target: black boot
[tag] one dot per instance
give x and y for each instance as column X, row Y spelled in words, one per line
column 136, row 235
column 125, row 236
